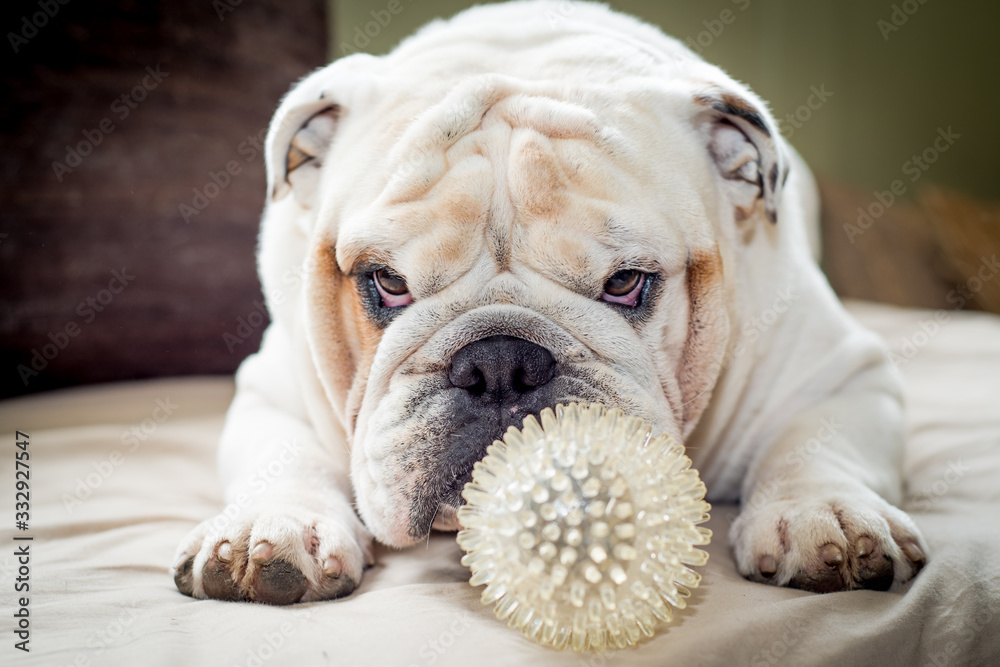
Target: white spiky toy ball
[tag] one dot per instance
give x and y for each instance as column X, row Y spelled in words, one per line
column 584, row 528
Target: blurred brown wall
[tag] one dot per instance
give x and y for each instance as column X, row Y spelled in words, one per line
column 114, row 116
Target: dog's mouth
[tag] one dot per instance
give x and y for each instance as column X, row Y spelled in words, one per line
column 451, row 500
column 440, row 512
column 437, row 507
column 447, row 462
column 452, row 495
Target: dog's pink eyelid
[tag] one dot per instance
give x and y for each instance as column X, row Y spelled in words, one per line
column 393, row 300
column 630, row 299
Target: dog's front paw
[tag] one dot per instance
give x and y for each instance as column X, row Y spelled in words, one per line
column 274, row 555
column 827, row 542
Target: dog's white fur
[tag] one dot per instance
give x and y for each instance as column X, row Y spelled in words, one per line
column 784, row 402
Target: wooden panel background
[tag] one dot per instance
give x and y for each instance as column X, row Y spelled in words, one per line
column 83, row 80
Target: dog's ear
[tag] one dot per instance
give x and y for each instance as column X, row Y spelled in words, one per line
column 746, row 149
column 297, row 144
column 306, row 122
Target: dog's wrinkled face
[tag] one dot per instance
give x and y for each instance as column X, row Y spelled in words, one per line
column 480, row 265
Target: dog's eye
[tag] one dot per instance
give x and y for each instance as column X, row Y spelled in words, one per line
column 624, row 287
column 391, row 288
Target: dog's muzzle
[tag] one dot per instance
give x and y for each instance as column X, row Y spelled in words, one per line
column 503, row 379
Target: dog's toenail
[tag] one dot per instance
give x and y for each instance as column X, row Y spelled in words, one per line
column 262, row 553
column 224, row 552
column 831, row 554
column 865, row 546
column 332, row 567
column 767, row 566
column 914, row 553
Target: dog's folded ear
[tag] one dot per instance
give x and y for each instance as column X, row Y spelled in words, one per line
column 296, row 147
column 304, row 126
column 746, row 150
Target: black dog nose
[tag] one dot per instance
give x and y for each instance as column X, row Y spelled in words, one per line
column 500, row 367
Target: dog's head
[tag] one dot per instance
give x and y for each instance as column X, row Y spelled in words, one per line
column 479, row 248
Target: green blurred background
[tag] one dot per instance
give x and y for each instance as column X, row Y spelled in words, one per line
column 890, row 85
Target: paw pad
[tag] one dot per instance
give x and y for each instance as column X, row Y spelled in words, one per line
column 279, row 582
column 217, row 581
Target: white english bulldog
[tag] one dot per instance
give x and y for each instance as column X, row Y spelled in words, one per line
column 532, row 204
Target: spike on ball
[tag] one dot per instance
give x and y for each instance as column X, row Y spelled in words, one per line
column 584, row 528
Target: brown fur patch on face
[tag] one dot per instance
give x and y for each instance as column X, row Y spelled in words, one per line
column 368, row 338
column 368, row 335
column 458, row 214
column 539, row 180
column 708, row 333
column 342, row 333
column 460, row 207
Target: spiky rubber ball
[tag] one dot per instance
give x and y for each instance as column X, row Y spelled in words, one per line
column 584, row 528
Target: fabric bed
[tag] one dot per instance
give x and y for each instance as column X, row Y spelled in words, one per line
column 119, row 473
